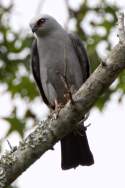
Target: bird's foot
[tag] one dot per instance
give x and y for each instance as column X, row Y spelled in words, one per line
column 68, row 96
column 58, row 106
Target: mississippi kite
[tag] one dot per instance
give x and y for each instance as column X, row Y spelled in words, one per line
column 57, row 55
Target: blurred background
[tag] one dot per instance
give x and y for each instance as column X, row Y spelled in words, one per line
column 21, row 106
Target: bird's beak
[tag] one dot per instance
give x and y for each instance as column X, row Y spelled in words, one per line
column 34, row 29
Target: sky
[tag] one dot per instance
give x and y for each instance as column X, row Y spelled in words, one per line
column 105, row 135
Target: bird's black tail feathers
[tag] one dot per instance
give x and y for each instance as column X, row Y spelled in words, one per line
column 75, row 150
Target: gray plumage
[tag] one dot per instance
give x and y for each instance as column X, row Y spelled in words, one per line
column 56, row 54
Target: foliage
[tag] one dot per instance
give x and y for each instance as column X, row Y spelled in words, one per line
column 101, row 19
column 15, row 59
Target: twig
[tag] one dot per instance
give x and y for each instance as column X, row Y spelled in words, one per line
column 11, row 148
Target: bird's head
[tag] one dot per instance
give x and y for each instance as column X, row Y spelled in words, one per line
column 43, row 25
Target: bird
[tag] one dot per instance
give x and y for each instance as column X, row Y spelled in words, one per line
column 60, row 65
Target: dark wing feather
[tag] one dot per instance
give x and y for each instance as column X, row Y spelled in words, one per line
column 75, row 149
column 36, row 70
column 81, row 54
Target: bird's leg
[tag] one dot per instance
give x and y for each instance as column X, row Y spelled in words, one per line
column 64, row 78
column 68, row 89
column 57, row 109
column 57, row 106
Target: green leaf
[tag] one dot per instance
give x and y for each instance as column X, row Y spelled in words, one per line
column 25, row 88
column 16, row 124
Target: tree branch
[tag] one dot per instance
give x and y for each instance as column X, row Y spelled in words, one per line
column 13, row 163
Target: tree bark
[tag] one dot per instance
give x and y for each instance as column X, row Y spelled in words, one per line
column 48, row 132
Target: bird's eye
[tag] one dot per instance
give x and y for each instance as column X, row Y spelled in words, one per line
column 41, row 21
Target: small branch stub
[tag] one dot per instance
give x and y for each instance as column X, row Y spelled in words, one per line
column 121, row 29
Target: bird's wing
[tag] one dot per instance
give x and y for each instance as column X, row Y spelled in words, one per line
column 81, row 54
column 36, row 70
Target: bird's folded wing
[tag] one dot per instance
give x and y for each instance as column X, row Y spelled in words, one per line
column 81, row 54
column 36, row 70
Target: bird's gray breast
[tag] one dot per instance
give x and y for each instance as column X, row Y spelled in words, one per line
column 57, row 60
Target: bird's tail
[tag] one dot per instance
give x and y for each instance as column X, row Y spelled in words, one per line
column 75, row 150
